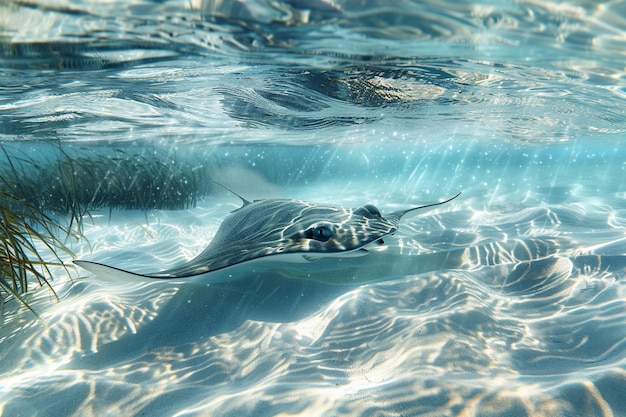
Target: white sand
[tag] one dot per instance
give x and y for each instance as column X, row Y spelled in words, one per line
column 496, row 336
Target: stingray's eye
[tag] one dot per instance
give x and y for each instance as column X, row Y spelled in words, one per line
column 368, row 211
column 321, row 232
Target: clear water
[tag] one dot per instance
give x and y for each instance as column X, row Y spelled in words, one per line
column 511, row 300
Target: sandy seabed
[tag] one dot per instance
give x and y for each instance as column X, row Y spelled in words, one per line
column 464, row 313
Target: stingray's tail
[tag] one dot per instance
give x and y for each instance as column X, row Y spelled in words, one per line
column 116, row 274
column 396, row 216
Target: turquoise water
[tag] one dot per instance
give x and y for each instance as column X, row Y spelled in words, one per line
column 508, row 301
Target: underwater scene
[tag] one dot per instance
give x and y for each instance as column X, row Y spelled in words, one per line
column 312, row 208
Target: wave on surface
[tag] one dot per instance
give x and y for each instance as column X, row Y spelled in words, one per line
column 214, row 71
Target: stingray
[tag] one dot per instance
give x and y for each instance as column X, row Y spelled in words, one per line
column 281, row 230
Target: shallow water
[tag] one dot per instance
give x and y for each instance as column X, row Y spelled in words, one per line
column 510, row 300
